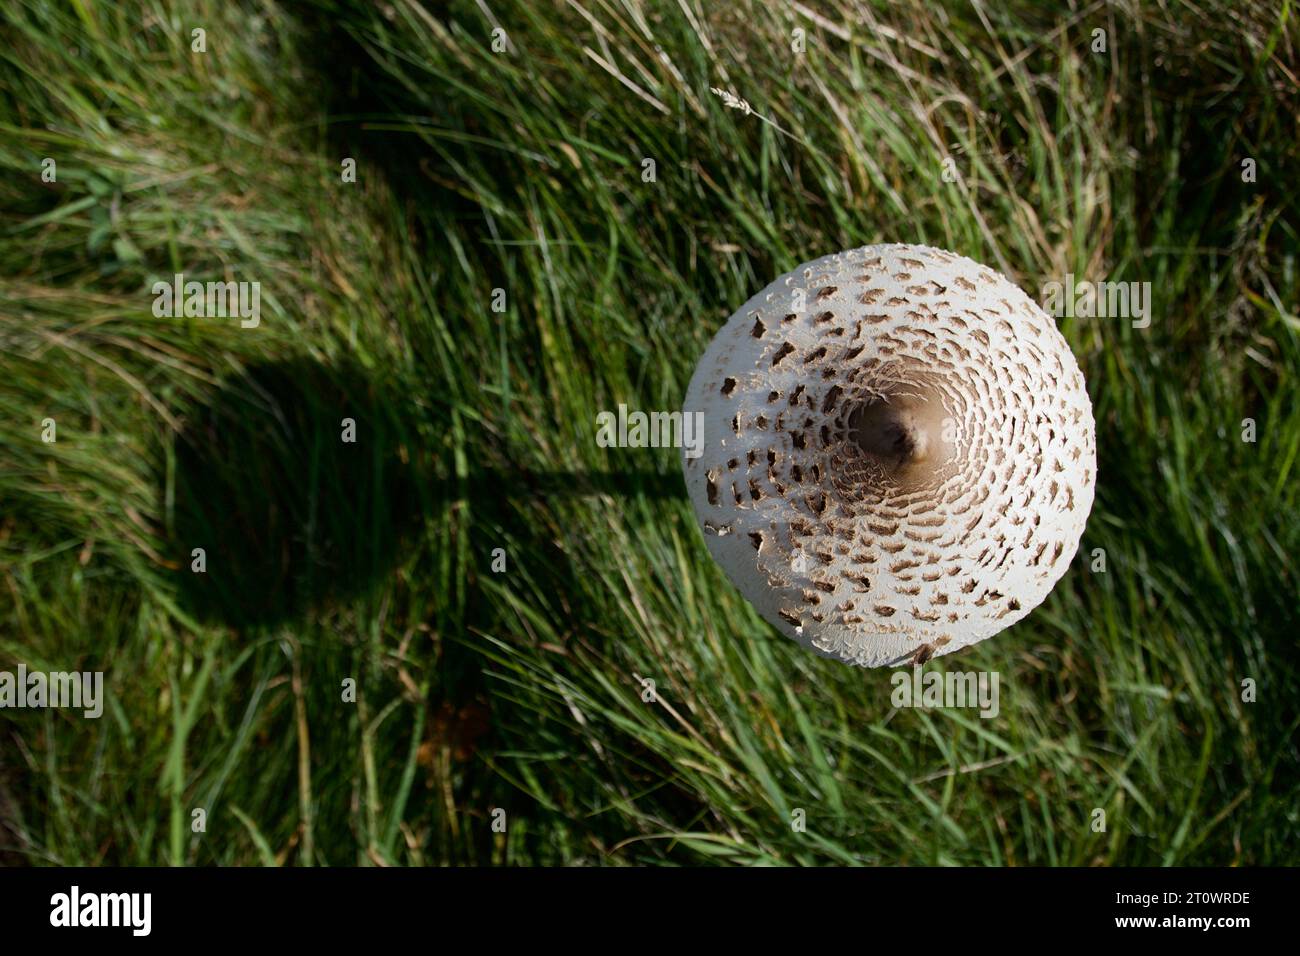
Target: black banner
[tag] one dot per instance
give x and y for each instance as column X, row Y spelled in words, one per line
column 563, row 905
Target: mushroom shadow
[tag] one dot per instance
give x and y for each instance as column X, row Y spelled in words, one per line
column 302, row 484
column 294, row 481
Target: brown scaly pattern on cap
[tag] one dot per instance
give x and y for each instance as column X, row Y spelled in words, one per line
column 899, row 453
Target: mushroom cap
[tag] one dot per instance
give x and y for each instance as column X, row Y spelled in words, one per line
column 898, row 453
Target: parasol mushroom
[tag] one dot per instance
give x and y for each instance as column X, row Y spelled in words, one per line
column 899, row 453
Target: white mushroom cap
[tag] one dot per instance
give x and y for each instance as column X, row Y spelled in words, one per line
column 898, row 456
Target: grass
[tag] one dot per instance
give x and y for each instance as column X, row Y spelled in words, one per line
column 522, row 690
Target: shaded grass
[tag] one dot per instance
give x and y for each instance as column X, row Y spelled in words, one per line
column 523, row 171
column 293, row 481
